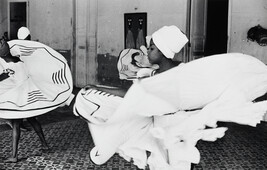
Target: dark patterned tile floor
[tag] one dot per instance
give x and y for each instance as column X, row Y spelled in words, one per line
column 242, row 148
column 70, row 142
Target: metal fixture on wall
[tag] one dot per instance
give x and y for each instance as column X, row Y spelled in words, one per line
column 135, row 30
column 258, row 34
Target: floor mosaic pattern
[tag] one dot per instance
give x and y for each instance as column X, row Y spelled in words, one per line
column 242, row 148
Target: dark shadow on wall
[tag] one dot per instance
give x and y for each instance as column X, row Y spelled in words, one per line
column 258, row 34
column 107, row 72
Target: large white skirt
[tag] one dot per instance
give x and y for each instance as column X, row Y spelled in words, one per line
column 231, row 78
column 45, row 85
column 167, row 114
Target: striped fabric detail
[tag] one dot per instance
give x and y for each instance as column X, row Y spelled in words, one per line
column 26, row 51
column 35, row 95
column 58, row 77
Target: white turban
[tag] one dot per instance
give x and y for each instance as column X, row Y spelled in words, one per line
column 23, row 32
column 169, row 40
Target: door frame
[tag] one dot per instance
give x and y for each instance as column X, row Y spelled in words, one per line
column 196, row 41
column 85, row 47
column 8, row 13
column 230, row 5
column 191, row 22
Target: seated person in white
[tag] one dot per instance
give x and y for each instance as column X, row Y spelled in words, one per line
column 195, row 95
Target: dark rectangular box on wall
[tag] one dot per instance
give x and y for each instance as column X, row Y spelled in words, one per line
column 135, row 30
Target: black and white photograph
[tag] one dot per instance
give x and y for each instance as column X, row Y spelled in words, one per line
column 133, row 85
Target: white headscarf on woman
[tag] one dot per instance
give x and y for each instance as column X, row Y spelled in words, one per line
column 23, row 32
column 169, row 40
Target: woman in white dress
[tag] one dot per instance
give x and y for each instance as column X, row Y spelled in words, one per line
column 26, row 90
column 166, row 114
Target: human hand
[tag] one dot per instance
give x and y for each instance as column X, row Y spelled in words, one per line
column 145, row 72
column 3, row 76
column 89, row 86
column 9, row 71
column 143, row 49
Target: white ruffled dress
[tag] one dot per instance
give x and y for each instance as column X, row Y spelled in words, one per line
column 167, row 114
column 40, row 83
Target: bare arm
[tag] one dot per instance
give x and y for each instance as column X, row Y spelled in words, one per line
column 3, row 76
column 112, row 90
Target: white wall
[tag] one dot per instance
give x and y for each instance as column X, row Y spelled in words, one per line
column 50, row 22
column 245, row 14
column 103, row 21
column 110, row 29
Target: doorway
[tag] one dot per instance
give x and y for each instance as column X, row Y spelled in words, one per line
column 17, row 17
column 207, row 27
column 217, row 27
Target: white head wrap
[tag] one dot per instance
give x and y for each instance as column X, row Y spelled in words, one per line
column 169, row 40
column 23, row 32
